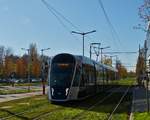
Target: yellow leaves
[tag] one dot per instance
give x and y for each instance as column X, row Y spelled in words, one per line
column 108, row 61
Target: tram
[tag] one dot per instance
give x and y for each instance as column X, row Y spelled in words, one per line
column 73, row 77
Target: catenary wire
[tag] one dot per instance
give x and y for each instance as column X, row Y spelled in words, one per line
column 113, row 31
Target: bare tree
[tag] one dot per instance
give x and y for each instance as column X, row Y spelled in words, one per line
column 2, row 52
column 8, row 51
column 144, row 11
column 33, row 51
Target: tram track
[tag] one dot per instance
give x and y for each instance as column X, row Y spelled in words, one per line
column 13, row 114
column 60, row 108
column 73, row 105
column 118, row 104
column 21, row 114
column 79, row 115
column 91, row 106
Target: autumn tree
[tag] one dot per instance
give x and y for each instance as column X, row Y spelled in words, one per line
column 108, row 61
column 9, row 63
column 132, row 74
column 35, row 63
column 21, row 66
column 140, row 68
column 122, row 71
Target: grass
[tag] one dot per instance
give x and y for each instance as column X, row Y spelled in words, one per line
column 127, row 81
column 141, row 116
column 21, row 84
column 39, row 105
column 17, row 91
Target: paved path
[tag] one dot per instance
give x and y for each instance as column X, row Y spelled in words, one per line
column 4, row 98
column 20, row 87
column 139, row 99
column 139, row 102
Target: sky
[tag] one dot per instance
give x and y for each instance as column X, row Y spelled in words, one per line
column 29, row 21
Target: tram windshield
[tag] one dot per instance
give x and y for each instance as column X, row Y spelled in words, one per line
column 61, row 73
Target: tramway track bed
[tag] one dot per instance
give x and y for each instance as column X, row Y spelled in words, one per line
column 44, row 110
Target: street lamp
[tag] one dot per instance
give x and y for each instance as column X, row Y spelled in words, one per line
column 42, row 50
column 28, row 50
column 83, row 34
column 43, row 80
column 102, row 51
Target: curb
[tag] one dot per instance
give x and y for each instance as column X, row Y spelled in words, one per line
column 132, row 108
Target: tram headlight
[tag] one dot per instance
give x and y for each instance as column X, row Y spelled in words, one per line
column 67, row 90
column 52, row 91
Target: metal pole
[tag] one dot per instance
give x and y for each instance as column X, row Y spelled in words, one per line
column 112, row 59
column 83, row 44
column 83, row 34
column 102, row 52
column 96, row 51
column 43, row 78
column 90, row 51
column 147, row 93
column 43, row 81
column 28, row 70
column 101, row 56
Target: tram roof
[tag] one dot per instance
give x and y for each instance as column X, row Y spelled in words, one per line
column 87, row 60
column 90, row 61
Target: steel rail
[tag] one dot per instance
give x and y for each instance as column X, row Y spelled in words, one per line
column 76, row 117
column 111, row 115
column 48, row 113
column 57, row 109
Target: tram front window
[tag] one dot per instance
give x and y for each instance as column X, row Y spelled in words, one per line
column 61, row 74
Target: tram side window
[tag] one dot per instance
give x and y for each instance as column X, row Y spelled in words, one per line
column 99, row 76
column 86, row 74
column 82, row 78
column 104, row 74
column 77, row 77
column 107, row 75
column 93, row 76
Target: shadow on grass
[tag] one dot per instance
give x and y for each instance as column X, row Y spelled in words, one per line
column 13, row 114
column 106, row 106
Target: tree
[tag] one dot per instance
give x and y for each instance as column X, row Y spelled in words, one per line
column 131, row 74
column 140, row 68
column 8, row 64
column 108, row 61
column 2, row 53
column 35, row 63
column 122, row 71
column 8, row 51
column 33, row 52
column 144, row 11
column 21, row 66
